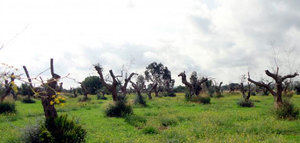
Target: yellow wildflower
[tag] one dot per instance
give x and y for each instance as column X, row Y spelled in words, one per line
column 51, row 102
column 56, row 100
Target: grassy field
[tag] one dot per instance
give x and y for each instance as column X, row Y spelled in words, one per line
column 221, row 121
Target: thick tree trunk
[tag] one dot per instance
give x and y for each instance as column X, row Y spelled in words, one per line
column 114, row 94
column 49, row 110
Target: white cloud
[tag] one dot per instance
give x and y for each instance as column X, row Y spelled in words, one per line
column 219, row 38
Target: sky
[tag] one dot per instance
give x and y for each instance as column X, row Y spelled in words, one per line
column 220, row 39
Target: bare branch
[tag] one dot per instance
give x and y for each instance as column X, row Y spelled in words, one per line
column 290, row 76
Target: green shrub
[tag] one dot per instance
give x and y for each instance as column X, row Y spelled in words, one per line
column 37, row 134
column 135, row 120
column 168, row 121
column 28, row 100
column 65, row 130
column 59, row 130
column 245, row 103
column 200, row 99
column 119, row 109
column 169, row 94
column 7, row 107
column 150, row 130
column 139, row 99
column 287, row 111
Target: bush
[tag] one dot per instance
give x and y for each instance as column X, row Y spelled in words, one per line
column 287, row 111
column 65, row 130
column 28, row 100
column 7, row 107
column 139, row 99
column 245, row 103
column 168, row 122
column 135, row 120
column 37, row 134
column 169, row 94
column 59, row 130
column 200, row 99
column 118, row 109
column 150, row 130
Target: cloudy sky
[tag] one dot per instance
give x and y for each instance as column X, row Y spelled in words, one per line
column 222, row 39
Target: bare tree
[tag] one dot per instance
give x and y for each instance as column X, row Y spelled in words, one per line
column 218, row 88
column 47, row 92
column 152, row 87
column 193, row 87
column 113, row 87
column 84, row 92
column 9, row 85
column 139, row 85
column 279, row 83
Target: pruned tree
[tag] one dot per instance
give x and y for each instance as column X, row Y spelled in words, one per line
column 218, row 88
column 279, row 84
column 84, row 91
column 9, row 86
column 187, row 84
column 48, row 92
column 194, row 86
column 139, row 87
column 246, row 91
column 152, row 87
column 113, row 86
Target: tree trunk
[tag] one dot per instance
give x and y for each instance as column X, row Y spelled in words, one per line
column 49, row 110
column 114, row 94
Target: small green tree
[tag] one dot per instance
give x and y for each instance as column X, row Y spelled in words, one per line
column 92, row 84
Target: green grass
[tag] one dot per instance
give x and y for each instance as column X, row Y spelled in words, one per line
column 221, row 121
